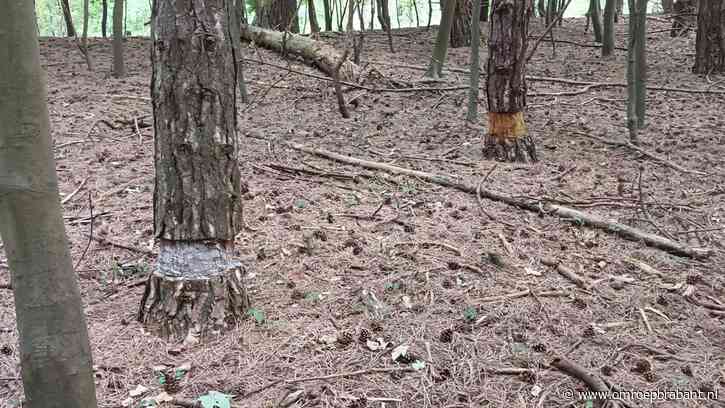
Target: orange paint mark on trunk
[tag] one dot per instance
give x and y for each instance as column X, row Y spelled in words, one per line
column 506, row 125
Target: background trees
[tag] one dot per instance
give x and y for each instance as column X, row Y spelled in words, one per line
column 55, row 352
column 710, row 41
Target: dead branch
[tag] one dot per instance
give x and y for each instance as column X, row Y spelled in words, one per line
column 641, row 151
column 523, row 293
column 548, row 29
column 533, row 205
column 71, row 195
column 566, row 272
column 580, row 373
column 122, row 246
column 426, row 244
column 338, row 89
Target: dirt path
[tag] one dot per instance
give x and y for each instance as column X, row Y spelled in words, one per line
column 316, row 256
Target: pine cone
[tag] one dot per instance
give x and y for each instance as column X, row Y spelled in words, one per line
column 650, row 376
column 364, row 335
column 446, row 336
column 607, row 371
column 344, row 338
column 642, row 366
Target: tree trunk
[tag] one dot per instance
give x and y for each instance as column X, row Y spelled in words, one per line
column 240, row 16
column 384, row 17
column 682, row 9
column 55, row 354
column 438, row 59
column 104, row 18
column 320, row 54
column 484, row 10
column 84, row 37
column 608, row 37
column 710, row 41
column 620, row 7
column 197, row 288
column 472, row 114
column 350, row 15
column 667, row 6
column 417, row 17
column 119, row 67
column 312, row 16
column 373, row 5
column 595, row 15
column 68, row 17
column 430, row 13
column 507, row 138
column 278, row 15
column 328, row 15
column 636, row 68
column 461, row 29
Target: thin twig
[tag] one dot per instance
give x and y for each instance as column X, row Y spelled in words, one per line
column 71, row 195
column 90, row 236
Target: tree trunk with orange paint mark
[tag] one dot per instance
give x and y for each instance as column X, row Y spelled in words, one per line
column 507, row 138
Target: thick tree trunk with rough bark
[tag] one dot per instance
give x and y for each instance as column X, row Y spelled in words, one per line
column 119, row 67
column 68, row 18
column 319, row 53
column 197, row 288
column 710, row 41
column 507, row 138
column 278, row 15
column 461, row 29
column 55, row 354
column 440, row 49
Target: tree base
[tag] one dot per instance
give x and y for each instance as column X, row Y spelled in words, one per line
column 193, row 306
column 508, row 139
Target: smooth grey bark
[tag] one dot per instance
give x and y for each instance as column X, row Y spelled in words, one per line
column 119, row 67
column 197, row 288
column 328, row 15
column 440, row 49
column 596, row 16
column 472, row 113
column 104, row 18
column 636, row 68
column 710, row 40
column 608, row 33
column 55, row 354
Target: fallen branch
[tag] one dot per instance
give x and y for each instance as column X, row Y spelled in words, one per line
column 523, row 293
column 574, row 370
column 319, row 53
column 430, row 243
column 625, row 231
column 71, row 195
column 566, row 272
column 641, row 151
column 119, row 245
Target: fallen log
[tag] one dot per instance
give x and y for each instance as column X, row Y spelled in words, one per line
column 320, row 54
column 570, row 214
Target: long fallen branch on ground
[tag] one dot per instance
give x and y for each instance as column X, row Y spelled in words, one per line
column 596, row 384
column 538, row 206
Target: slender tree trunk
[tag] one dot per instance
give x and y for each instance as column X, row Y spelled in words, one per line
column 84, row 38
column 595, row 14
column 341, row 10
column 240, row 16
column 197, row 288
column 55, row 354
column 541, row 7
column 277, row 15
column 461, row 29
column 551, row 12
column 667, row 6
column 104, row 18
column 68, row 17
column 620, row 7
column 384, row 13
column 119, row 67
column 438, row 59
column 430, row 13
column 417, row 17
column 608, row 38
column 361, row 35
column 328, row 15
column 397, row 12
column 350, row 15
column 507, row 137
column 472, row 114
column 484, row 11
column 312, row 16
column 710, row 40
column 373, row 6
column 636, row 68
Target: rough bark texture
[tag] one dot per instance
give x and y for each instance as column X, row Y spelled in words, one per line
column 68, row 18
column 461, row 29
column 322, row 55
column 636, row 68
column 596, row 16
column 472, row 113
column 197, row 287
column 55, row 354
column 196, row 291
column 710, row 42
column 119, row 67
column 240, row 17
column 507, row 138
column 438, row 59
column 278, row 15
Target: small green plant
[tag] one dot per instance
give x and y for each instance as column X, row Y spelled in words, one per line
column 258, row 315
column 470, row 314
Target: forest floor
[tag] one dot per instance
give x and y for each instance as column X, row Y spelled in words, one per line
column 437, row 265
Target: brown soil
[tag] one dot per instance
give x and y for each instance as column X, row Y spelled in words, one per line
column 313, row 261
